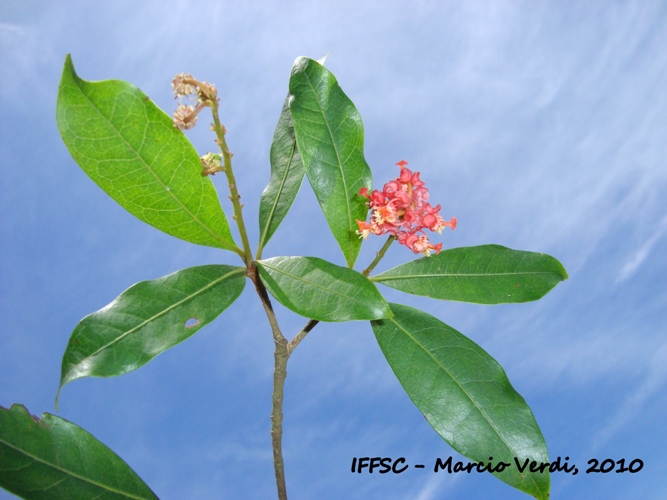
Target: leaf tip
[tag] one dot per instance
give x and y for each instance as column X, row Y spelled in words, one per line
column 564, row 273
column 67, row 78
column 63, row 382
column 65, row 378
column 560, row 268
column 323, row 59
column 68, row 67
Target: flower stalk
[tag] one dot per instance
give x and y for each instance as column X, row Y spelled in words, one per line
column 379, row 255
column 235, row 197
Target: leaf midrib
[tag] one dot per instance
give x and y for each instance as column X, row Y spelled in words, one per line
column 70, row 473
column 325, row 289
column 383, row 277
column 163, row 312
column 340, row 168
column 279, row 192
column 481, row 411
column 226, row 244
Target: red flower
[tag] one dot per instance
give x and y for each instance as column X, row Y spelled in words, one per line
column 402, row 210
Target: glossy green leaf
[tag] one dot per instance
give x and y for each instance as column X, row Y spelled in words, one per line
column 330, row 138
column 147, row 319
column 320, row 290
column 51, row 459
column 464, row 394
column 286, row 176
column 486, row 274
column 132, row 150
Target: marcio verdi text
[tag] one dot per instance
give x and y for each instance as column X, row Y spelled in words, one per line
column 383, row 465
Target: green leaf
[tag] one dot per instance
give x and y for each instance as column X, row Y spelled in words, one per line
column 51, row 458
column 330, row 138
column 464, row 394
column 486, row 274
column 286, row 176
column 132, row 150
column 147, row 319
column 320, row 290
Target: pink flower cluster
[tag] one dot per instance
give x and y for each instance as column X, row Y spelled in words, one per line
column 402, row 210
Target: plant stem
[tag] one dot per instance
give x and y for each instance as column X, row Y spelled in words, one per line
column 281, row 353
column 280, row 356
column 220, row 132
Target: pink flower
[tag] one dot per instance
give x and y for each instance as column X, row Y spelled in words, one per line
column 185, row 117
column 402, row 210
column 183, row 85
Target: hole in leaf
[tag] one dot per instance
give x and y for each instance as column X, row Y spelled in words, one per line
column 192, row 322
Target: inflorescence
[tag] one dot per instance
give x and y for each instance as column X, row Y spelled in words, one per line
column 402, row 210
column 185, row 85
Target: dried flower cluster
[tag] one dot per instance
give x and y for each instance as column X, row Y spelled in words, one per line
column 185, row 85
column 402, row 210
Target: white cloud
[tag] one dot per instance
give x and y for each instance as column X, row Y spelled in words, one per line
column 433, row 487
column 639, row 256
column 23, row 57
column 655, row 380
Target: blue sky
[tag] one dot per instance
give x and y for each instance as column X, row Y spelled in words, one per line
column 540, row 125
